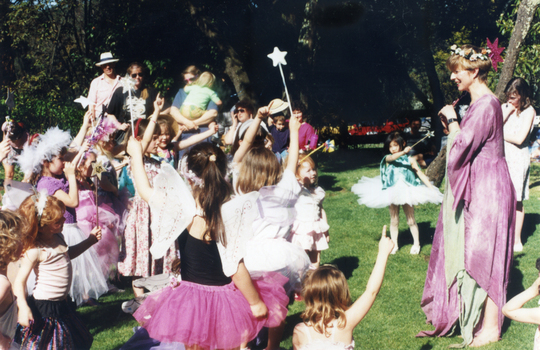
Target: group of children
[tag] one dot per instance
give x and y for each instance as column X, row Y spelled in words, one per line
column 243, row 250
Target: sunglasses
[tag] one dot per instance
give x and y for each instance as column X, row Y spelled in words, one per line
column 189, row 80
column 135, row 75
column 241, row 110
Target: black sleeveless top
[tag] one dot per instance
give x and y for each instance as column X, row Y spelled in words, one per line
column 200, row 261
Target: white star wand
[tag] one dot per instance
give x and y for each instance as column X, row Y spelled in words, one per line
column 278, row 58
column 428, row 135
column 128, row 83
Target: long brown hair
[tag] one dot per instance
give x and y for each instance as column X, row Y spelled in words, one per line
column 209, row 163
column 327, row 297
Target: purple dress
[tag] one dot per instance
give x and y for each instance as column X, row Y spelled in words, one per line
column 478, row 177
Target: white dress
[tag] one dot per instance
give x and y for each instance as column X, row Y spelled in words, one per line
column 309, row 228
column 517, row 157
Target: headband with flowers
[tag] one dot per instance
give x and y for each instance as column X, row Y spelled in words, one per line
column 188, row 174
column 470, row 54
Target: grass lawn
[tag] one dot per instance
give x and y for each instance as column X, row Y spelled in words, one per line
column 355, row 231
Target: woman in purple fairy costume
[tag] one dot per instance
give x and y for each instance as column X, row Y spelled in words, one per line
column 472, row 252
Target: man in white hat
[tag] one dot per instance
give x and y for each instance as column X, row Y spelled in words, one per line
column 102, row 87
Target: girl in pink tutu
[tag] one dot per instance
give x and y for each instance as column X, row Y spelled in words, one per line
column 206, row 309
column 329, row 318
column 310, row 228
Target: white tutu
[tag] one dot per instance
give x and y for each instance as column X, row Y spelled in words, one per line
column 88, row 280
column 372, row 194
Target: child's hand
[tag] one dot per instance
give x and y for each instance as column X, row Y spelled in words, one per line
column 84, row 147
column 96, row 232
column 88, row 116
column 263, row 113
column 536, row 286
column 385, row 244
column 327, row 237
column 25, row 316
column 69, row 168
column 158, row 103
column 213, row 126
column 294, row 124
column 134, row 147
column 191, row 125
column 407, row 149
column 259, row 310
column 5, row 148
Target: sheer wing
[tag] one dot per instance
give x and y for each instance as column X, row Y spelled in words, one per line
column 172, row 209
column 238, row 216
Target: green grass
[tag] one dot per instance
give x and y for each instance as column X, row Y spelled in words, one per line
column 396, row 316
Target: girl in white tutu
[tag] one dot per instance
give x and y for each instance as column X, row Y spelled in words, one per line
column 44, row 158
column 329, row 317
column 310, row 228
column 401, row 183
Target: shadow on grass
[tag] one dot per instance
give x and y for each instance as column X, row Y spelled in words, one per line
column 515, row 286
column 426, row 234
column 529, row 226
column 427, row 346
column 328, row 182
column 347, row 265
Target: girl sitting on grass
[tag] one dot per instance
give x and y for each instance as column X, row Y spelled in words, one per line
column 329, row 319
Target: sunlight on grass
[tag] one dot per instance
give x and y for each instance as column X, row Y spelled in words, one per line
column 396, row 316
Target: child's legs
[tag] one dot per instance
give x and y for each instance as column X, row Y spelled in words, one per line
column 137, row 291
column 191, row 112
column 274, row 336
column 394, row 223
column 520, row 216
column 409, row 213
column 314, row 257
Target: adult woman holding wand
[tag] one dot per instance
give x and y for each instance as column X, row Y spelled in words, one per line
column 473, row 244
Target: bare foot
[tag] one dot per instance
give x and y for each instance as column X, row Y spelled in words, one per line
column 485, row 337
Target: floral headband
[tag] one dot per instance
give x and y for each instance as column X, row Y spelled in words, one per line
column 190, row 175
column 470, row 54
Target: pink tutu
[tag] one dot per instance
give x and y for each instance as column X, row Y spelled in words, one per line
column 107, row 248
column 214, row 317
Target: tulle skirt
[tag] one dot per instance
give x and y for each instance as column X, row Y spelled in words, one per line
column 107, row 248
column 266, row 256
column 88, row 280
column 214, row 317
column 372, row 194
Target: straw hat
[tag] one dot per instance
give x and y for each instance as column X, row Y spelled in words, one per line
column 105, row 58
column 171, row 121
column 277, row 105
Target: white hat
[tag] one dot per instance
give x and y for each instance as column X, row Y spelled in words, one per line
column 277, row 106
column 105, row 58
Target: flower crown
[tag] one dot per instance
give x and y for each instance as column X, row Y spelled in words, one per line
column 470, row 54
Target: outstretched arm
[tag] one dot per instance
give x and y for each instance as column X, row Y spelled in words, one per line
column 419, row 172
column 79, row 139
column 360, row 308
column 212, row 129
column 149, row 132
column 137, row 169
column 514, row 308
column 292, row 160
column 79, row 248
column 250, row 134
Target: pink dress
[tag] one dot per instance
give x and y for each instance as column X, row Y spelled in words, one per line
column 135, row 258
column 474, row 238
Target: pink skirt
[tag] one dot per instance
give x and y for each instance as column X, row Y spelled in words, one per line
column 214, row 317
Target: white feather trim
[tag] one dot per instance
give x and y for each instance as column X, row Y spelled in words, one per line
column 45, row 147
column 41, row 202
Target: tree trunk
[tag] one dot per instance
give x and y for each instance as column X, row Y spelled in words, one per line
column 233, row 63
column 524, row 19
column 437, row 169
